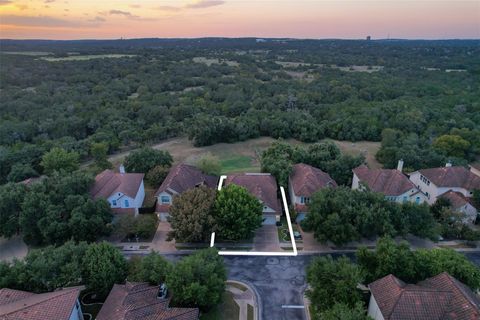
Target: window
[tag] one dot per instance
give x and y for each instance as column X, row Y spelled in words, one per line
column 126, row 203
column 114, row 202
column 165, row 199
column 405, row 198
column 417, row 200
column 304, row 200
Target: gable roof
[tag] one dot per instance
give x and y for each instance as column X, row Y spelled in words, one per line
column 135, row 300
column 456, row 199
column 108, row 182
column 307, row 180
column 459, row 177
column 261, row 185
column 439, row 297
column 183, row 177
column 58, row 305
column 390, row 182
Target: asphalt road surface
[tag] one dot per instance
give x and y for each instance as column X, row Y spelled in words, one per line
column 280, row 282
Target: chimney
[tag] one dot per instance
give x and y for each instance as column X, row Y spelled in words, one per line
column 448, row 164
column 121, row 169
column 400, row 165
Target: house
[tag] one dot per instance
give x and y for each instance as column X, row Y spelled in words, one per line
column 264, row 187
column 59, row 305
column 181, row 178
column 459, row 203
column 436, row 181
column 133, row 301
column 303, row 182
column 391, row 182
column 437, row 298
column 124, row 192
column 475, row 168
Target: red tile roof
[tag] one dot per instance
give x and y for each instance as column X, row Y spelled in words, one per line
column 183, row 177
column 439, row 297
column 307, row 180
column 390, row 182
column 139, row 301
column 452, row 177
column 457, row 199
column 109, row 182
column 261, row 185
column 22, row 305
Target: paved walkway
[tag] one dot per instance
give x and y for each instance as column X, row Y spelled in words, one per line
column 12, row 248
column 266, row 239
column 159, row 242
column 243, row 298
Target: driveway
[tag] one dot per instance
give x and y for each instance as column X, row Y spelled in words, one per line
column 266, row 239
column 12, row 248
column 159, row 242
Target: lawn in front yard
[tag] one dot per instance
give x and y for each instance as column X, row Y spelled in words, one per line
column 283, row 232
column 227, row 309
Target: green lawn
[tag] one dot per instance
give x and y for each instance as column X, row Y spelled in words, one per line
column 237, row 163
column 228, row 309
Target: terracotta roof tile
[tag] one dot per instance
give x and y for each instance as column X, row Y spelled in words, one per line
column 457, row 199
column 307, row 180
column 134, row 301
column 452, row 177
column 108, row 182
column 261, row 185
column 390, row 182
column 21, row 305
column 439, row 297
column 183, row 177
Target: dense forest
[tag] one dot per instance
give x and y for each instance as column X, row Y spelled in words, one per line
column 421, row 99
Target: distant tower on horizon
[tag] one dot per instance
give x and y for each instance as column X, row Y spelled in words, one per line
column 369, row 38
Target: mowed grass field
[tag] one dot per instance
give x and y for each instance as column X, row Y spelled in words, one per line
column 245, row 156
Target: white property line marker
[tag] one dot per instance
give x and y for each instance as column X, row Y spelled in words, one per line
column 261, row 253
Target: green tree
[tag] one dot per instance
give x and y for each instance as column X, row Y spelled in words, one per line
column 198, row 280
column 451, row 145
column 143, row 160
column 342, row 311
column 11, row 198
column 104, row 266
column 333, row 281
column 237, row 213
column 99, row 152
column 191, row 215
column 58, row 159
column 20, row 172
column 209, row 164
column 156, row 175
column 153, row 268
column 277, row 160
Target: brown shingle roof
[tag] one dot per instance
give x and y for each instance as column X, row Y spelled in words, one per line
column 108, row 182
column 22, row 305
column 139, row 301
column 307, row 180
column 261, row 185
column 439, row 297
column 183, row 177
column 390, row 182
column 459, row 177
column 456, row 199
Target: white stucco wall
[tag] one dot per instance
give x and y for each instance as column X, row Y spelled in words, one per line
column 120, row 198
column 76, row 312
column 164, row 194
column 475, row 171
column 374, row 310
column 140, row 196
column 355, row 182
column 434, row 191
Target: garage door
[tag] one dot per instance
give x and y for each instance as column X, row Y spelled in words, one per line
column 269, row 219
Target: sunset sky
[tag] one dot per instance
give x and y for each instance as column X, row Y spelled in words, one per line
column 101, row 19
